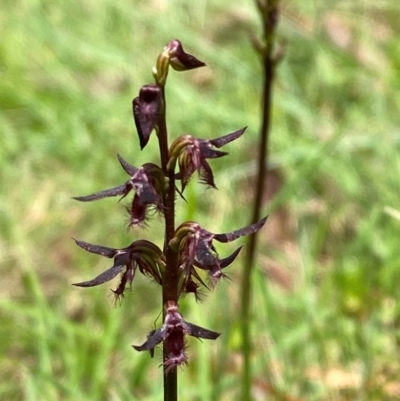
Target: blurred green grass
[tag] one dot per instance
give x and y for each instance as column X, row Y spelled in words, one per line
column 326, row 317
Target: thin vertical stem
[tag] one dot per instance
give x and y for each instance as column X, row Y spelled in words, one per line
column 170, row 277
column 269, row 15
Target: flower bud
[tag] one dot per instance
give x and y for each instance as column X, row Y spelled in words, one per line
column 173, row 55
column 179, row 59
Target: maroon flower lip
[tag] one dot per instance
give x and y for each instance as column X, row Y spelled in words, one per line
column 173, row 333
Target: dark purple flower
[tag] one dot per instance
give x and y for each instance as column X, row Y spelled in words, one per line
column 192, row 154
column 148, row 182
column 173, row 333
column 142, row 255
column 195, row 248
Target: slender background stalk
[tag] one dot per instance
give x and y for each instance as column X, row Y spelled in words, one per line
column 268, row 11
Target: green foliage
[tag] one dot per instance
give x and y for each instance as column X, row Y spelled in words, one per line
column 68, row 73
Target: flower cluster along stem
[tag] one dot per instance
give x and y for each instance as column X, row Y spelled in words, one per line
column 188, row 252
column 170, row 276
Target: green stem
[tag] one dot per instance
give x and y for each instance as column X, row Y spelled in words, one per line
column 268, row 12
column 170, row 277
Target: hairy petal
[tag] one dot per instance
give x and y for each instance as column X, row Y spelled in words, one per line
column 175, row 349
column 194, row 288
column 119, row 291
column 137, row 211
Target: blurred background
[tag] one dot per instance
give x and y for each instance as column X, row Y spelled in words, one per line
column 326, row 317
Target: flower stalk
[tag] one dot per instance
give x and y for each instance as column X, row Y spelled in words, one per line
column 188, row 253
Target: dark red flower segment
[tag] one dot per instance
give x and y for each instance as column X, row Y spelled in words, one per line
column 195, row 249
column 173, row 333
column 148, row 182
column 192, row 154
column 142, row 255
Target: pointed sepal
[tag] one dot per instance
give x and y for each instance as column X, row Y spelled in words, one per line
column 116, row 191
column 146, row 110
column 128, row 168
column 201, row 332
column 102, row 278
column 231, row 236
